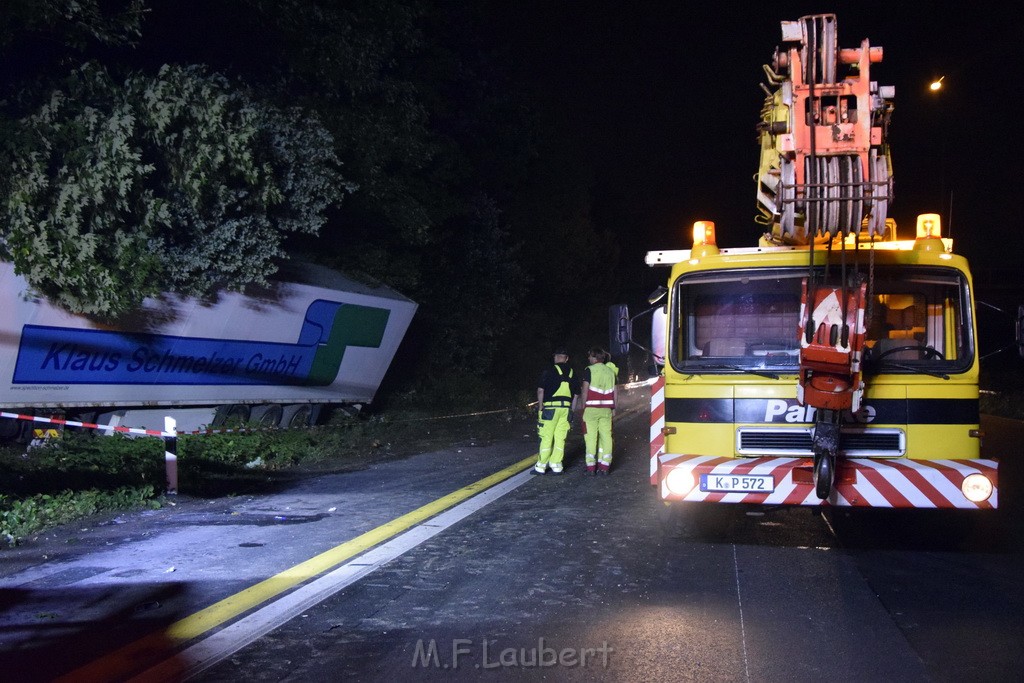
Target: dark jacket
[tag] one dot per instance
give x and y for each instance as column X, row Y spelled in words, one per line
column 551, row 381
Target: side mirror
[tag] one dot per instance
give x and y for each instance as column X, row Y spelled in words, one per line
column 1018, row 329
column 658, row 324
column 620, row 329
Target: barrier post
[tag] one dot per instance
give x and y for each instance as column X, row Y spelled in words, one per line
column 171, row 454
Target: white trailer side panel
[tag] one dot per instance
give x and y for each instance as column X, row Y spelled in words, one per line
column 315, row 337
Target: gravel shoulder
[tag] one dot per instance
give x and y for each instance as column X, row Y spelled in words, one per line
column 404, row 440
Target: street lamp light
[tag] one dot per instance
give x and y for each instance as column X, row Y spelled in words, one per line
column 935, row 86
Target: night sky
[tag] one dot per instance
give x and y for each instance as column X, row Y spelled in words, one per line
column 657, row 103
column 662, row 99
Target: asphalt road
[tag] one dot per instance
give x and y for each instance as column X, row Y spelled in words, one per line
column 560, row 578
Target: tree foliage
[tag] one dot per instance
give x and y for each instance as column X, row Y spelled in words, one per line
column 437, row 143
column 74, row 23
column 178, row 182
column 476, row 286
column 360, row 65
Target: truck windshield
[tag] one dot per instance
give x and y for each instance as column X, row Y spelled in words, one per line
column 917, row 319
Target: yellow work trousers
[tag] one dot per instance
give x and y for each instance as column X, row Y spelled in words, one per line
column 552, row 427
column 598, row 436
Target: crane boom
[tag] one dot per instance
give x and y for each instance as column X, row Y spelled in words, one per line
column 825, row 165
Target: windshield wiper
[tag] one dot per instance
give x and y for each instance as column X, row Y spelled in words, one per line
column 759, row 373
column 916, row 371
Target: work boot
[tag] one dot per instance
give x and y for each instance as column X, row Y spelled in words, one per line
column 539, row 469
column 590, row 471
column 603, row 469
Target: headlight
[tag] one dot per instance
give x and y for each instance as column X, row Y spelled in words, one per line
column 976, row 487
column 679, row 481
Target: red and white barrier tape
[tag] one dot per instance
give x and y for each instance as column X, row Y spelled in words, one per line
column 209, row 430
column 235, row 430
column 134, row 430
column 87, row 425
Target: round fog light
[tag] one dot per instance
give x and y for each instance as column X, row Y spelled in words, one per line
column 679, row 481
column 976, row 487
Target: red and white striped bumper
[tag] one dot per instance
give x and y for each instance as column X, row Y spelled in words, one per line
column 860, row 482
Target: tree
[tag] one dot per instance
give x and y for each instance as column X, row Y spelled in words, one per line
column 436, row 142
column 72, row 23
column 356, row 65
column 42, row 39
column 179, row 182
column 475, row 286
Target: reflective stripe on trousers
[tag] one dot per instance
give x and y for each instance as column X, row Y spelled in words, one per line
column 598, row 437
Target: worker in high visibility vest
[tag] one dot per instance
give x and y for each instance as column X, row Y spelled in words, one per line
column 556, row 401
column 598, row 392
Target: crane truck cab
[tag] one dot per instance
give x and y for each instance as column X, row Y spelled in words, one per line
column 729, row 423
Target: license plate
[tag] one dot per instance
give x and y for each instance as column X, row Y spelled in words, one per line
column 742, row 483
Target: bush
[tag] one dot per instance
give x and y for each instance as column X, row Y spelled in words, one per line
column 1003, row 389
column 22, row 517
column 81, row 462
column 268, row 450
column 81, row 473
column 459, row 392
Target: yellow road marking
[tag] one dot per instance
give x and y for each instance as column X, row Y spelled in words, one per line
column 142, row 653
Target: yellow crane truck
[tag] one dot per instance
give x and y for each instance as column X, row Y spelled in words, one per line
column 835, row 363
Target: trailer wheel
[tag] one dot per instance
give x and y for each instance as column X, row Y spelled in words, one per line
column 298, row 416
column 267, row 416
column 88, row 417
column 231, row 416
column 12, row 431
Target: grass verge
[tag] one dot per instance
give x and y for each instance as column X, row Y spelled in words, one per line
column 81, row 474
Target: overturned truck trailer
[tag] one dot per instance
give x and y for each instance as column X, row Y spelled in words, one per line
column 274, row 356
